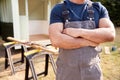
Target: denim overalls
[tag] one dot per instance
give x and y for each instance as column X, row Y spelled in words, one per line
column 81, row 63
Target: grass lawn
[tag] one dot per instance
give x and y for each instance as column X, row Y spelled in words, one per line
column 111, row 62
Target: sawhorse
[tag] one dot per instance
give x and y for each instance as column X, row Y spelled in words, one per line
column 29, row 63
column 8, row 55
column 28, row 56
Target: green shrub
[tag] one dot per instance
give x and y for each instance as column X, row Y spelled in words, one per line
column 113, row 7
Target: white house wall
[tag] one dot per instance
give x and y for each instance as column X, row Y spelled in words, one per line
column 39, row 12
column 38, row 27
column 24, row 29
column 38, row 22
column 37, row 9
column 16, row 20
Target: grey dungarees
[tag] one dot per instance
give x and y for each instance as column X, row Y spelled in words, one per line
column 81, row 63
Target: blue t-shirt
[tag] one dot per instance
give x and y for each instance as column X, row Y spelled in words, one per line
column 78, row 12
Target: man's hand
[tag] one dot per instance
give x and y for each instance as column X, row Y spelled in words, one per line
column 93, row 44
column 71, row 32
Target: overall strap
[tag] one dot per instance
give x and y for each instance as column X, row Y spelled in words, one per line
column 65, row 12
column 90, row 10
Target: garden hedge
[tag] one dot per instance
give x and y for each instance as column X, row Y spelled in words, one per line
column 113, row 6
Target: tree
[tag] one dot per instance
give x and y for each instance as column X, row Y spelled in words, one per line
column 113, row 7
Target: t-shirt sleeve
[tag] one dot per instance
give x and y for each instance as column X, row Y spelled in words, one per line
column 56, row 14
column 103, row 11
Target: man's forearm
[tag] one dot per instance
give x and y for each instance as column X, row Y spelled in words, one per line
column 98, row 35
column 104, row 33
column 68, row 42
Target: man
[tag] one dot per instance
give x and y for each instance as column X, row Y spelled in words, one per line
column 77, row 27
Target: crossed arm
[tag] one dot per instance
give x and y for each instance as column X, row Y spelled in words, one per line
column 104, row 33
column 72, row 38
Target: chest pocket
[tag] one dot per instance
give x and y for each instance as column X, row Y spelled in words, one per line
column 81, row 24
